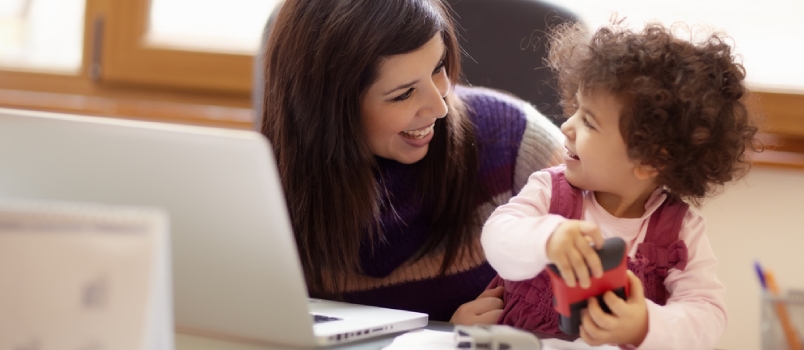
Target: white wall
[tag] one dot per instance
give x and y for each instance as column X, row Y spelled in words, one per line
column 759, row 218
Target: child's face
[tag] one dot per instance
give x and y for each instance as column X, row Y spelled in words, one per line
column 596, row 157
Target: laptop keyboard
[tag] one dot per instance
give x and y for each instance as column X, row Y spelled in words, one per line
column 322, row 318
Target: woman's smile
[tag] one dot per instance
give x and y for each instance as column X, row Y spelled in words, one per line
column 418, row 134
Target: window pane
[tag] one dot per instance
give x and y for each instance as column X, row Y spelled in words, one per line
column 767, row 34
column 42, row 35
column 233, row 26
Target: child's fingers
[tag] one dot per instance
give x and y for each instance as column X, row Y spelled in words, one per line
column 615, row 304
column 590, row 332
column 593, row 263
column 591, row 230
column 637, row 289
column 601, row 319
column 565, row 268
column 580, row 268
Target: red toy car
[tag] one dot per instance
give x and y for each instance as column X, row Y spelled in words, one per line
column 569, row 301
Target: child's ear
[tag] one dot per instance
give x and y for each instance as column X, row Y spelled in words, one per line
column 645, row 172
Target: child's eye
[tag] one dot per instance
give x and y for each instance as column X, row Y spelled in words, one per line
column 586, row 123
column 404, row 96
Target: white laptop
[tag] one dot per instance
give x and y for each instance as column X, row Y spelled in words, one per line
column 236, row 272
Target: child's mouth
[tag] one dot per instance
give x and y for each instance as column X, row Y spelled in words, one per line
column 572, row 155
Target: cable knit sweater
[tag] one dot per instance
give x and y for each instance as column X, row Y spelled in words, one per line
column 513, row 140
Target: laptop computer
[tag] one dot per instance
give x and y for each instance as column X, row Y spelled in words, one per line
column 236, row 271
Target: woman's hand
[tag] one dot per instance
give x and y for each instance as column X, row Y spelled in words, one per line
column 486, row 309
column 627, row 323
column 571, row 248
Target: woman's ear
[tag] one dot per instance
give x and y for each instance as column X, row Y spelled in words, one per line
column 645, row 172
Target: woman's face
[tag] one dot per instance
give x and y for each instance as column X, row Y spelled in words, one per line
column 399, row 110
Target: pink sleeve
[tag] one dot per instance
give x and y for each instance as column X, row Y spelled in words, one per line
column 515, row 235
column 695, row 314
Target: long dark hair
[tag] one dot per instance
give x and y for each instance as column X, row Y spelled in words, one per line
column 321, row 58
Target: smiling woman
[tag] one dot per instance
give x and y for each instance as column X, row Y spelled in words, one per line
column 398, row 116
column 388, row 166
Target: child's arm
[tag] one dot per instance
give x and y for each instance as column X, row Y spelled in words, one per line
column 695, row 314
column 515, row 236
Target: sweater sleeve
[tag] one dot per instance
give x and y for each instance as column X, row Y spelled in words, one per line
column 541, row 146
column 695, row 314
column 515, row 236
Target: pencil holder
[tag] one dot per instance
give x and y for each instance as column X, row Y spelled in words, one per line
column 782, row 324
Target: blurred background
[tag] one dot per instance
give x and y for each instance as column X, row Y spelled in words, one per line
column 191, row 62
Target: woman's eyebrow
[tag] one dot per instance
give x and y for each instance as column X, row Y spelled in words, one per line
column 400, row 87
column 408, row 85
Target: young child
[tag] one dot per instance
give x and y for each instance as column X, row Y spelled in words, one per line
column 657, row 122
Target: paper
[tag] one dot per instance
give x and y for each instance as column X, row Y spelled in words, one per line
column 423, row 339
column 83, row 277
column 439, row 340
column 558, row 344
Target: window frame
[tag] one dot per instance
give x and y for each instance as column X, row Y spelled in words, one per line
column 181, row 100
column 126, row 58
column 179, row 86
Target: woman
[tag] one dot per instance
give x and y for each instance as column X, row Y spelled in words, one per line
column 388, row 166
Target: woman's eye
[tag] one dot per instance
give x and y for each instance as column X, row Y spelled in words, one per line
column 440, row 67
column 404, row 96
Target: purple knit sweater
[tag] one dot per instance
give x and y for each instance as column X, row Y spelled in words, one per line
column 514, row 140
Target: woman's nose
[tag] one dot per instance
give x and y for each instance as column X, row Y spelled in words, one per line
column 436, row 103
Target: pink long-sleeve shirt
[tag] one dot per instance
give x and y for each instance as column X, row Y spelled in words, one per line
column 515, row 237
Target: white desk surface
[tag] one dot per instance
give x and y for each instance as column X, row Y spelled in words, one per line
column 194, row 342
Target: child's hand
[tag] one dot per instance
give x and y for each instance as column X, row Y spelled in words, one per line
column 570, row 249
column 627, row 324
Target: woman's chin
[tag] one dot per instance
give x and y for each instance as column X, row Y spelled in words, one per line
column 411, row 156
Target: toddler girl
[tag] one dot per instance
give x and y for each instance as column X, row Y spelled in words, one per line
column 657, row 123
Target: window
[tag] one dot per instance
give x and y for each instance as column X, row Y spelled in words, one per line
column 170, row 60
column 764, row 32
column 767, row 34
column 42, row 35
column 200, row 45
column 190, row 61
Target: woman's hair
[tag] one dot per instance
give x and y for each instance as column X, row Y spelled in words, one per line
column 683, row 101
column 321, row 58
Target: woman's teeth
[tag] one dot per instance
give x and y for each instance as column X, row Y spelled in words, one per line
column 573, row 156
column 418, row 134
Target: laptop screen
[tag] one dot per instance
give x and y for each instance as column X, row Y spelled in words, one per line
column 234, row 256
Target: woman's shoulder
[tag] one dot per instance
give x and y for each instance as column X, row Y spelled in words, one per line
column 484, row 102
column 492, row 109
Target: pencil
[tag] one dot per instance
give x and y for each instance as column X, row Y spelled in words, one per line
column 761, row 275
column 789, row 332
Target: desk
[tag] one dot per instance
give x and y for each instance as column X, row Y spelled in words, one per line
column 194, row 342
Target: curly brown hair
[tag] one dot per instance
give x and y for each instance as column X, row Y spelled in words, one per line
column 684, row 112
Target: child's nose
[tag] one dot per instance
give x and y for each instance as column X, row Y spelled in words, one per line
column 567, row 129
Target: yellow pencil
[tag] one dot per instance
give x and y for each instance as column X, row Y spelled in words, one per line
column 789, row 332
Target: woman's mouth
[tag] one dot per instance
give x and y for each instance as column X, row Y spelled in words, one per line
column 418, row 134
